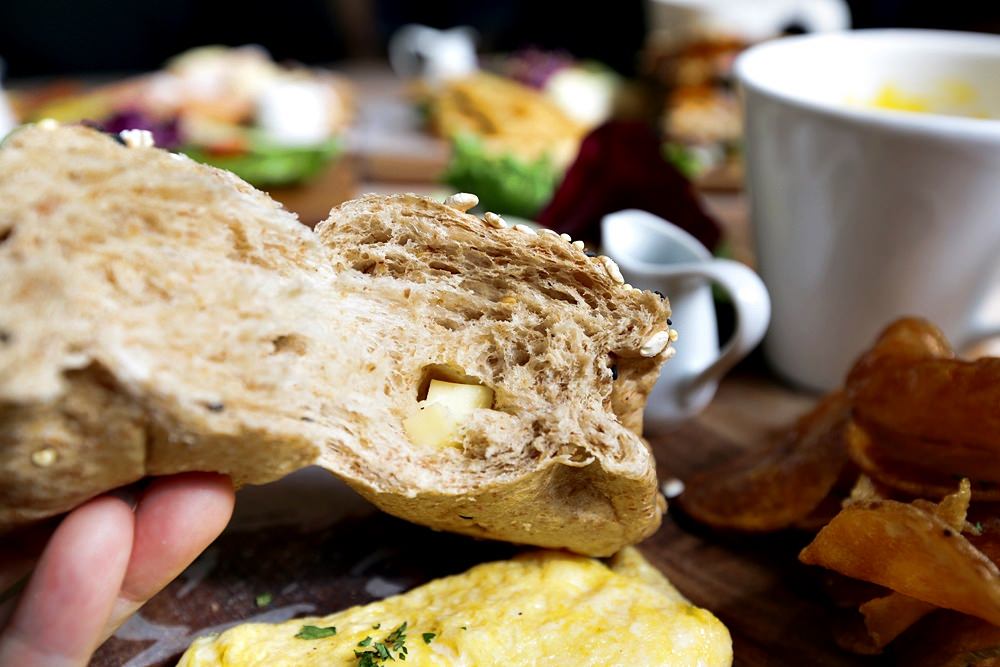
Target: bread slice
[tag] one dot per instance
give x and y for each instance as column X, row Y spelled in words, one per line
column 158, row 316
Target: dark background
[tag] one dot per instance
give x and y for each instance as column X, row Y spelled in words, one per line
column 56, row 37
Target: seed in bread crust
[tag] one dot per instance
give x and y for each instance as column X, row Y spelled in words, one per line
column 548, row 231
column 578, row 245
column 44, row 457
column 494, row 220
column 48, row 124
column 462, row 201
column 612, row 269
column 526, row 229
column 655, row 344
column 137, row 138
column 673, row 335
column 566, row 237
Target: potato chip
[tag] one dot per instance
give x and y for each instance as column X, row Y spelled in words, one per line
column 948, row 405
column 888, row 617
column 878, row 622
column 911, row 551
column 904, row 464
column 909, row 338
column 780, row 486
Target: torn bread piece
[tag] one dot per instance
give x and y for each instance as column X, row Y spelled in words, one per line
column 158, row 316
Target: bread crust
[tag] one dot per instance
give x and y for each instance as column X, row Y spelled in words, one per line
column 160, row 316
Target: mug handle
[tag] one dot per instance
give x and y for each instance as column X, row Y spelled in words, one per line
column 753, row 313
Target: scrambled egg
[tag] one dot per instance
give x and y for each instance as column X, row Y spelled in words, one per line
column 543, row 608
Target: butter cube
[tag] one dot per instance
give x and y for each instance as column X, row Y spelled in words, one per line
column 438, row 420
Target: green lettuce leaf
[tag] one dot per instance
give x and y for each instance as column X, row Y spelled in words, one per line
column 271, row 165
column 503, row 183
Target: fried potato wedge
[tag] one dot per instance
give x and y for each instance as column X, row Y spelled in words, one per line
column 776, row 488
column 878, row 622
column 911, row 551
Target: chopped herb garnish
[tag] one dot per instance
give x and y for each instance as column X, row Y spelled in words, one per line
column 315, row 632
column 263, row 599
column 376, row 626
column 465, row 627
column 467, row 518
column 428, row 637
column 979, row 527
column 393, row 647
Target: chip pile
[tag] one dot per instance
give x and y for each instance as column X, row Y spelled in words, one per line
column 900, row 473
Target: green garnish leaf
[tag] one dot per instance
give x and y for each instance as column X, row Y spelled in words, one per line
column 263, row 599
column 376, row 626
column 428, row 637
column 979, row 527
column 315, row 632
column 392, row 647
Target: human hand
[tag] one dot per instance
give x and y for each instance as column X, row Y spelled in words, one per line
column 104, row 561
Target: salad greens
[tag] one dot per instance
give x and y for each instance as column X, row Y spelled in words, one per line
column 503, row 183
column 267, row 164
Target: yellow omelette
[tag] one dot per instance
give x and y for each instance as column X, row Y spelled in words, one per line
column 541, row 608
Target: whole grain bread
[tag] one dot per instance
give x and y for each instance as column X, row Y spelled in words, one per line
column 158, row 316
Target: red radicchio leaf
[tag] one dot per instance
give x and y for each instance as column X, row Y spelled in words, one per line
column 620, row 165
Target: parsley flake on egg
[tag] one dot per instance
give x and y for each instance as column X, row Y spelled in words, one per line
column 315, row 632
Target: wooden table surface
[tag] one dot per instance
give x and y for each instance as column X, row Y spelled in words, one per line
column 315, row 547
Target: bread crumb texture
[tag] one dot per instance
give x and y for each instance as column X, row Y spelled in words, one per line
column 157, row 315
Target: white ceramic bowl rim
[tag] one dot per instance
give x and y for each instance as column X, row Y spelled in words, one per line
column 748, row 72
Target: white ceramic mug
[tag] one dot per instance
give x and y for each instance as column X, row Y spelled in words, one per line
column 656, row 255
column 862, row 215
